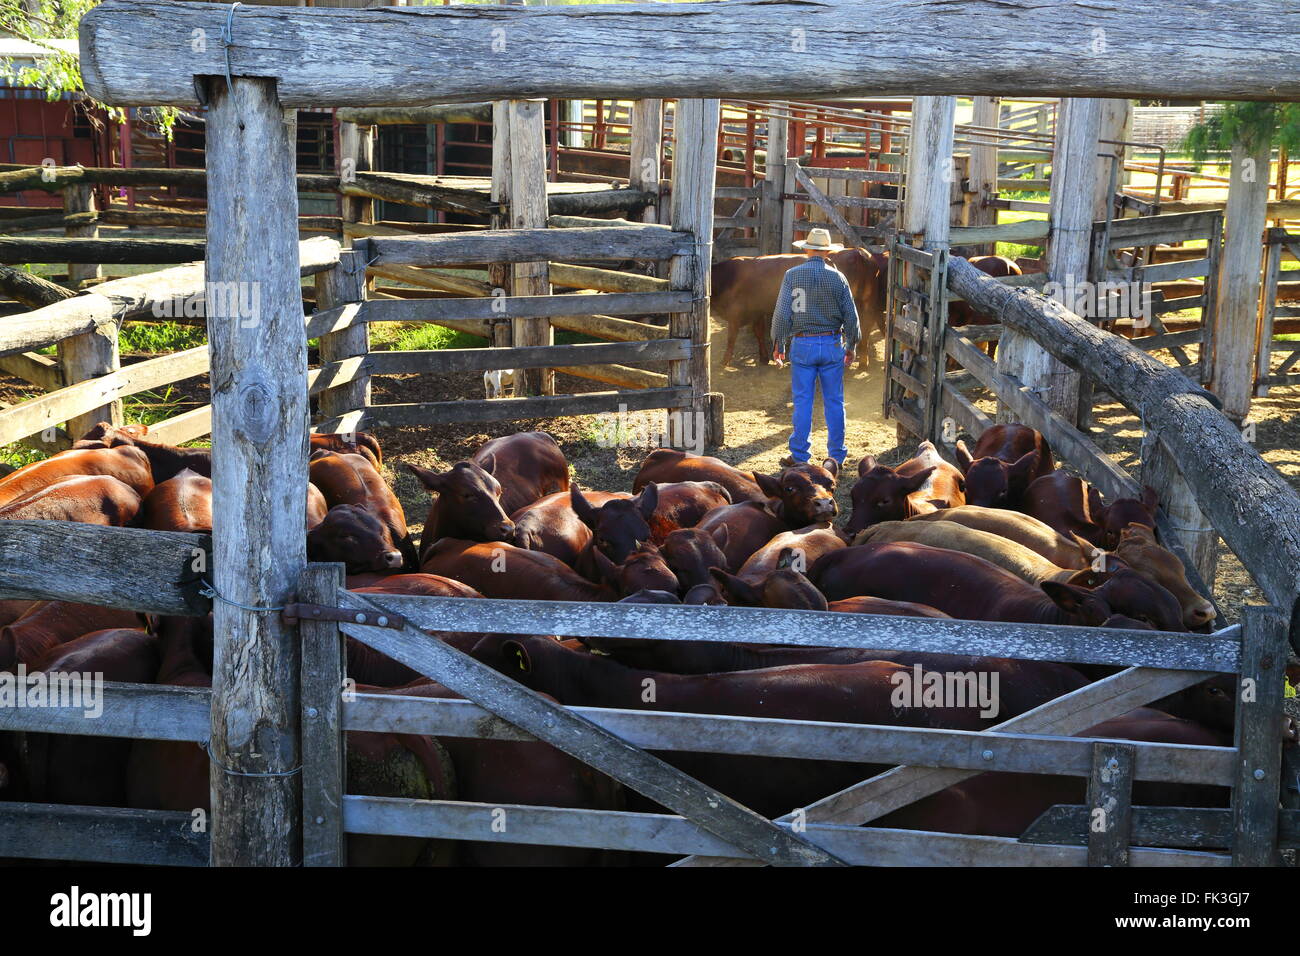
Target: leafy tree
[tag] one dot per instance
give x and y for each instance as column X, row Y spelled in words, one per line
column 59, row 73
column 1245, row 123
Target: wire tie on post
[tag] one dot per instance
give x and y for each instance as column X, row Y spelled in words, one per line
column 210, row 592
column 228, row 40
column 207, row 749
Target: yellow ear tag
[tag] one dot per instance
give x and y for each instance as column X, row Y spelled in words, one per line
column 1289, row 688
column 523, row 661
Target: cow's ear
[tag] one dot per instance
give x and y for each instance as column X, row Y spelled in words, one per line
column 581, row 506
column 1086, row 548
column 770, row 486
column 1079, row 601
column 1022, row 470
column 1150, row 500
column 488, row 463
column 737, row 589
column 721, row 535
column 918, row 480
column 964, row 458
column 431, row 479
column 648, row 500
column 866, row 464
column 606, row 569
column 833, row 466
column 515, row 657
column 319, row 453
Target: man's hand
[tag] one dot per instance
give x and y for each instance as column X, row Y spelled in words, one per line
column 778, row 358
column 848, row 358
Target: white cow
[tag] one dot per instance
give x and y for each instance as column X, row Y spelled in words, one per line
column 496, row 380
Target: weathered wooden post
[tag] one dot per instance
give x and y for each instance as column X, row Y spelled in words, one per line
column 644, row 152
column 95, row 353
column 499, row 273
column 695, row 158
column 983, row 173
column 356, row 155
column 927, row 217
column 324, row 773
column 1237, row 312
column 345, row 283
column 1074, row 170
column 771, row 204
column 1258, row 737
column 526, row 159
column 259, row 474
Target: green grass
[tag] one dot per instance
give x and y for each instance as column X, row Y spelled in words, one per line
column 160, row 337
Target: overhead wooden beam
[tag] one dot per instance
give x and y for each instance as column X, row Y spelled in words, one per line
column 130, row 55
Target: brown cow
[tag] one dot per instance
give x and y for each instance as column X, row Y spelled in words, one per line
column 873, row 605
column 1137, row 548
column 351, row 535
column 748, row 526
column 1122, row 512
column 1062, row 501
column 669, row 464
column 468, row 505
column 1005, row 460
column 618, row 526
column 346, row 479
column 805, row 494
column 128, row 465
column 529, row 466
column 745, row 290
column 961, row 313
column 782, row 588
column 971, row 588
column 181, row 503
column 165, row 461
column 920, row 485
column 682, row 504
column 642, row 570
column 362, row 443
column 500, row 570
column 1024, row 529
column 807, row 544
column 691, row 552
column 551, row 525
column 51, row 623
column 88, row 499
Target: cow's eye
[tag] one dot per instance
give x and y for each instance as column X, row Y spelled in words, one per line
column 882, row 503
column 1217, row 692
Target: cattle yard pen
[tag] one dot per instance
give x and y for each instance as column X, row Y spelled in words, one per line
column 274, row 719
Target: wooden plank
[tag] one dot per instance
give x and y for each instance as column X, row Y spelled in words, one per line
column 1179, row 827
column 1110, row 801
column 1218, row 653
column 804, row 740
column 65, row 561
column 1150, row 230
column 1071, row 714
column 1230, row 480
column 1258, row 740
column 345, row 283
column 46, row 411
column 259, row 480
column 595, row 746
column 657, row 833
column 479, row 360
column 45, row 831
column 184, row 427
column 823, row 202
column 113, row 250
column 526, row 209
column 522, row 306
column 324, row 766
column 645, row 153
column 514, row 409
column 132, row 711
column 530, row 245
column 31, row 367
column 603, row 280
column 1031, row 230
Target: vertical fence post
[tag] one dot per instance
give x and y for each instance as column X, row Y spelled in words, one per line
column 1196, row 532
column 528, row 208
column 324, row 775
column 356, row 155
column 1257, row 791
column 695, row 158
column 1272, row 275
column 77, row 198
column 259, row 471
column 1237, row 313
column 644, row 152
column 1074, row 169
column 500, row 274
column 1110, row 804
column 771, row 205
column 345, row 283
column 984, row 169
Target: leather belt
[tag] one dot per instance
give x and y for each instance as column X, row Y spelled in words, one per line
column 815, row 335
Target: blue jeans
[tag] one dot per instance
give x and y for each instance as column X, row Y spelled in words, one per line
column 813, row 359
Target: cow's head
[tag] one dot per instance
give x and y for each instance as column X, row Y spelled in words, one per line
column 619, row 526
column 783, row 588
column 643, row 570
column 1122, row 512
column 1121, row 591
column 805, row 493
column 1137, row 548
column 354, row 537
column 994, row 483
column 690, row 552
column 468, row 504
column 881, row 494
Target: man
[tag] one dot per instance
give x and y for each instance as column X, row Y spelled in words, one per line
column 816, row 324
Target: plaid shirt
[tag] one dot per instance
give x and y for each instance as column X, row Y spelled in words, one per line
column 827, row 305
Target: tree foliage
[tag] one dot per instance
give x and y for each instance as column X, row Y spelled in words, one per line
column 59, row 73
column 1247, row 123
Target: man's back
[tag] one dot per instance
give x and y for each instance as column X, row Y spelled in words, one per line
column 815, row 299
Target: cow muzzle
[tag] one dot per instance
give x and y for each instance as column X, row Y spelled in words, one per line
column 391, row 559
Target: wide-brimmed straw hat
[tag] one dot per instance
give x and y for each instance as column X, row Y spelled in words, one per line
column 819, row 240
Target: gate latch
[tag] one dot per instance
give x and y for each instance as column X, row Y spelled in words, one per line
column 319, row 612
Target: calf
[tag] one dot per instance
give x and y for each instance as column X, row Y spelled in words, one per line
column 88, row 499
column 1024, row 529
column 1063, row 502
column 1005, row 460
column 642, row 570
column 496, row 381
column 670, row 465
column 127, row 464
column 552, row 526
column 1121, row 513
column 529, row 466
column 165, row 461
column 692, row 552
column 805, row 494
column 782, row 588
column 347, row 479
column 351, row 535
column 965, row 586
column 181, row 503
column 747, row 526
column 919, row 485
column 806, row 544
column 468, row 505
column 1137, row 548
column 52, row 623
column 682, row 504
column 360, row 443
column 619, row 526
column 499, row 570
